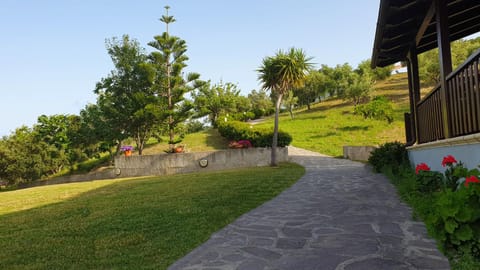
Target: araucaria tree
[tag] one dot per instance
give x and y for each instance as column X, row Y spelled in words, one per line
column 280, row 74
column 170, row 86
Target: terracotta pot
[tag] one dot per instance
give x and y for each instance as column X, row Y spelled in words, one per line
column 179, row 149
column 128, row 153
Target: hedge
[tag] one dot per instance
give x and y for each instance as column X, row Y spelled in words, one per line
column 259, row 137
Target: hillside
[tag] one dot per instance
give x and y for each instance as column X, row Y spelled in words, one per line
column 327, row 127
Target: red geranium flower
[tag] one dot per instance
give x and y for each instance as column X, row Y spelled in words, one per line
column 422, row 167
column 448, row 160
column 471, row 179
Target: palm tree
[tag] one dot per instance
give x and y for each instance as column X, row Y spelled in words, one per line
column 280, row 74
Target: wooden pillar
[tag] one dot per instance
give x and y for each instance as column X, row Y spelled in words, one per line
column 413, row 88
column 445, row 57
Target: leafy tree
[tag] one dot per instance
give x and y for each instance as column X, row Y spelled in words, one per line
column 377, row 74
column 61, row 132
column 290, row 101
column 97, row 133
column 125, row 97
column 428, row 62
column 216, row 100
column 25, row 158
column 261, row 103
column 359, row 88
column 280, row 74
column 170, row 86
column 316, row 85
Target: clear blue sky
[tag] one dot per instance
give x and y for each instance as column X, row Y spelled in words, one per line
column 53, row 52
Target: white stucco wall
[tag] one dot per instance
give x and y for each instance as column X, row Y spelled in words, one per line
column 465, row 149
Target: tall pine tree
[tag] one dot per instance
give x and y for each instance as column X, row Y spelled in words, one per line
column 169, row 59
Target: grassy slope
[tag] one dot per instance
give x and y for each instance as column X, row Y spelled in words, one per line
column 331, row 124
column 128, row 223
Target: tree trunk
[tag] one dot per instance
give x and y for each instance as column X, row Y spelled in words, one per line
column 273, row 161
column 308, row 106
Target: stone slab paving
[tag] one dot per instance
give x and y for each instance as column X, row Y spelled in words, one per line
column 339, row 215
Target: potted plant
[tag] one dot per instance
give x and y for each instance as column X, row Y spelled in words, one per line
column 127, row 150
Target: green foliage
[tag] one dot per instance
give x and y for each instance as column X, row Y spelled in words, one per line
column 261, row 103
column 259, row 137
column 313, row 89
column 429, row 67
column 391, row 154
column 146, row 223
column 125, row 97
column 220, row 99
column 194, row 126
column 170, row 84
column 377, row 74
column 279, row 74
column 456, row 224
column 379, row 108
column 429, row 181
column 452, row 216
column 358, row 89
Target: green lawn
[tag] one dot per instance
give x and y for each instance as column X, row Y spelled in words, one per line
column 207, row 140
column 128, row 223
column 331, row 124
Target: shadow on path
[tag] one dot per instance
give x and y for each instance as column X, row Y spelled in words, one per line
column 339, row 215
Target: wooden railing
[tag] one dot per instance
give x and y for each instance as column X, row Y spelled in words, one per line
column 463, row 97
column 463, row 104
column 429, row 113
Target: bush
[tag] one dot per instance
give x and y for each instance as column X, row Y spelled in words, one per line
column 234, row 130
column 428, row 181
column 391, row 154
column 456, row 224
column 379, row 108
column 194, row 126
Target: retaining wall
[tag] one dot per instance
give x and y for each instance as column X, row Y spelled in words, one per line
column 164, row 164
column 358, row 153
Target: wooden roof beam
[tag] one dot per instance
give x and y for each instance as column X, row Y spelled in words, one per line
column 425, row 23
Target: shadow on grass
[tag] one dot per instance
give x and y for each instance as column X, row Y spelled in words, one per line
column 354, row 128
column 215, row 140
column 328, row 134
column 150, row 222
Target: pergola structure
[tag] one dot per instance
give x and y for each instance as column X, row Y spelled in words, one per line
column 406, row 28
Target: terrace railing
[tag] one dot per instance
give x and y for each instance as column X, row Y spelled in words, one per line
column 464, row 97
column 429, row 113
column 463, row 104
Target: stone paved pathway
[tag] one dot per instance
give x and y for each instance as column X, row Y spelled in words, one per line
column 339, row 215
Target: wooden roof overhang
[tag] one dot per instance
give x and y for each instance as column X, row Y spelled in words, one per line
column 403, row 24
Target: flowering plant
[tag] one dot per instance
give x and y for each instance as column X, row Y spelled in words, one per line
column 448, row 161
column 421, row 167
column 454, row 176
column 240, row 144
column 126, row 148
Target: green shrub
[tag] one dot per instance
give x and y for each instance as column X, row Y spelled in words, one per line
column 456, row 224
column 428, row 181
column 235, row 130
column 194, row 126
column 379, row 108
column 391, row 154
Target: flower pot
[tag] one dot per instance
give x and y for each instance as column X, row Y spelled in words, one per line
column 179, row 149
column 128, row 153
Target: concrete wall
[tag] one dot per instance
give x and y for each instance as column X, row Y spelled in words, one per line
column 358, row 153
column 190, row 162
column 465, row 149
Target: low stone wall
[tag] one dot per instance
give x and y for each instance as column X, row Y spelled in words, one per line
column 164, row 164
column 358, row 153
